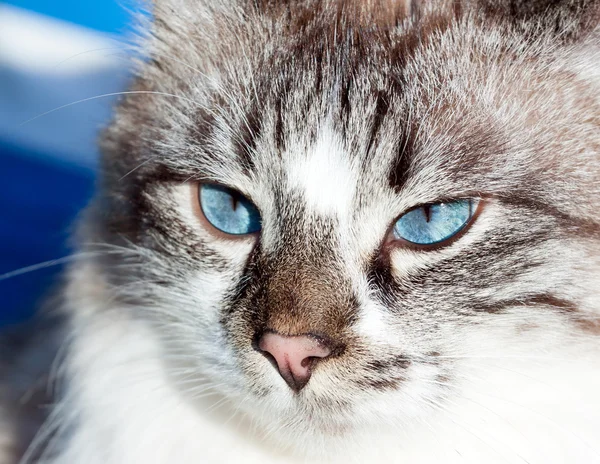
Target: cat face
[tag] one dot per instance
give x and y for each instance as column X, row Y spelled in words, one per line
column 330, row 123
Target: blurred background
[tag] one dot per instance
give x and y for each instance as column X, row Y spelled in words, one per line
column 61, row 64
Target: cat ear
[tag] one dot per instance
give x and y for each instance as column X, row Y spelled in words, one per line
column 567, row 20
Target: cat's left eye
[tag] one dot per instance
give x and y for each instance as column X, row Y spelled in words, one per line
column 435, row 223
column 228, row 210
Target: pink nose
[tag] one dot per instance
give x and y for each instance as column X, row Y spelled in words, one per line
column 295, row 356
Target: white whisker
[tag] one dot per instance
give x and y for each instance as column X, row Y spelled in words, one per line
column 106, row 95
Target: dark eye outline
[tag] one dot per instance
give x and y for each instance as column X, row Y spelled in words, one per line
column 393, row 240
column 199, row 212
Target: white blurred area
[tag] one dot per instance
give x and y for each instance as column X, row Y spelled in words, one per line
column 58, row 83
column 33, row 42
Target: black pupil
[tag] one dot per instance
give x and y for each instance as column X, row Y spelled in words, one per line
column 427, row 212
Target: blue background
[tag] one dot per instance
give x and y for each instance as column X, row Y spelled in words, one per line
column 102, row 15
column 43, row 187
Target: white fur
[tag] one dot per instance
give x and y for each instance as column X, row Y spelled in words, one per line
column 324, row 176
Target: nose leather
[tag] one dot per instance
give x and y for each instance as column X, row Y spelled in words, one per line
column 294, row 356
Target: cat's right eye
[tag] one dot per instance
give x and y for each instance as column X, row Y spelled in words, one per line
column 228, row 210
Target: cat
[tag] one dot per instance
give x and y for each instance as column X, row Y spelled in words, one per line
column 339, row 231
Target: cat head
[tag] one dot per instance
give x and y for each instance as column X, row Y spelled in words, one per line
column 328, row 209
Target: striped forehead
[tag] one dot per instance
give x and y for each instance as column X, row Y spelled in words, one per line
column 322, row 175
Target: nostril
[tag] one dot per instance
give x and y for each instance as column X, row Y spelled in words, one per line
column 306, row 362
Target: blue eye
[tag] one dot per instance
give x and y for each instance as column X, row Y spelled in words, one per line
column 228, row 210
column 435, row 223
